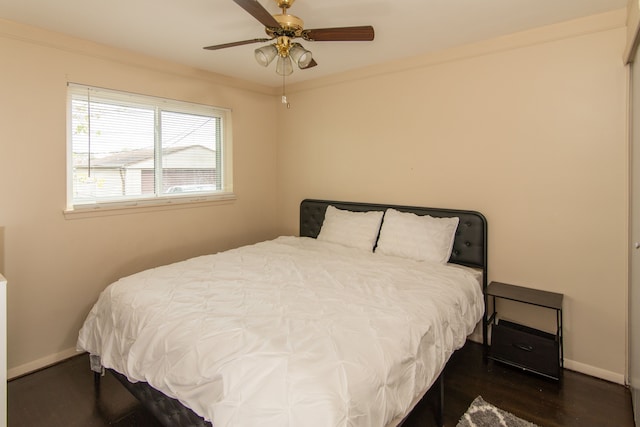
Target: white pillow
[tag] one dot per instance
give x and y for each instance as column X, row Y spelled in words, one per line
column 423, row 238
column 354, row 229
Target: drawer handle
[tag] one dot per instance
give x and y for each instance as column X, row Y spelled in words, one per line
column 524, row 347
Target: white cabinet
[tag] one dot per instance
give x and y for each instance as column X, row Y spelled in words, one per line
column 3, row 351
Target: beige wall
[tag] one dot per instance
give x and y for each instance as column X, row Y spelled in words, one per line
column 55, row 266
column 528, row 129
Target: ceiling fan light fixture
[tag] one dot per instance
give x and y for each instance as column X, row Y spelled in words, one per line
column 266, row 54
column 301, row 56
column 284, row 67
column 283, row 28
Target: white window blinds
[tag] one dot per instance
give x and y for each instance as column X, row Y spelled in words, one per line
column 126, row 147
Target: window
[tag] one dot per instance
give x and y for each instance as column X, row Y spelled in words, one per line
column 128, row 149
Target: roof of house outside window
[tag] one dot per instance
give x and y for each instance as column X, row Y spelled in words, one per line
column 142, row 158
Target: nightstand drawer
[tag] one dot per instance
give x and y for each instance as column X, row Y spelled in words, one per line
column 526, row 348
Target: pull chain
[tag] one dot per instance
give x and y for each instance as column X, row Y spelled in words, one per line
column 284, row 96
column 89, row 132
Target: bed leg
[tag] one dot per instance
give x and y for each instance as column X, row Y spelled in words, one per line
column 440, row 404
column 96, row 383
column 98, row 371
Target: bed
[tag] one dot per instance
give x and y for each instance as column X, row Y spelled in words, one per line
column 345, row 325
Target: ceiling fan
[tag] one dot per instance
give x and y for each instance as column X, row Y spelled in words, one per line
column 283, row 28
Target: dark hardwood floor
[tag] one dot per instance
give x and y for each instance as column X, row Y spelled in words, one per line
column 63, row 395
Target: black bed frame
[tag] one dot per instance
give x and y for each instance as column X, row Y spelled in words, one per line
column 469, row 249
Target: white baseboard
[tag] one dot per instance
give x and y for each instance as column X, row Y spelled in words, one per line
column 41, row 363
column 594, row 372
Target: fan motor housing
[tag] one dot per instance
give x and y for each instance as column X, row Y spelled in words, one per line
column 291, row 25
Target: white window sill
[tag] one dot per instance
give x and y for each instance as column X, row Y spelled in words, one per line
column 140, row 206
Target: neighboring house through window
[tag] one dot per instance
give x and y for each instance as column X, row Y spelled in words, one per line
column 126, row 148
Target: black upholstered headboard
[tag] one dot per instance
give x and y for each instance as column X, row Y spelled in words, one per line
column 469, row 246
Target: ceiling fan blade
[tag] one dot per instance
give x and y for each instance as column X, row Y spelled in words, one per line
column 256, row 10
column 363, row 33
column 313, row 63
column 232, row 44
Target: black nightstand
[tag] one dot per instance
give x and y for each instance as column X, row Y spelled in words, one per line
column 519, row 345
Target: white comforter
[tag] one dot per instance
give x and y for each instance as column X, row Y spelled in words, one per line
column 288, row 332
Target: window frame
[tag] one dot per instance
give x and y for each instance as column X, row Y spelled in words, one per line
column 164, row 200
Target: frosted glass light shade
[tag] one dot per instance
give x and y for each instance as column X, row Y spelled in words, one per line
column 265, row 54
column 300, row 55
column 284, row 66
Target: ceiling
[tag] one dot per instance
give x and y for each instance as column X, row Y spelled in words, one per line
column 177, row 30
